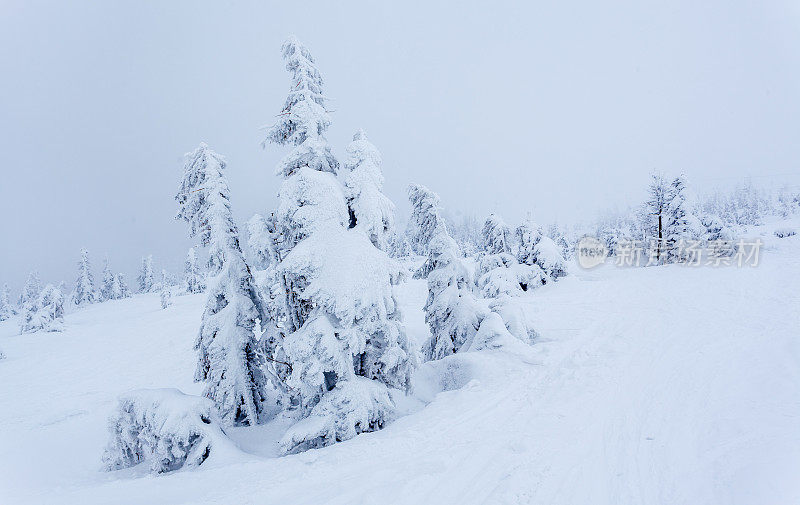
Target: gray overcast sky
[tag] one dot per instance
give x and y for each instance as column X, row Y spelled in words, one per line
column 559, row 108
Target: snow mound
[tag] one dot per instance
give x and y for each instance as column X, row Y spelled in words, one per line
column 165, row 428
column 517, row 317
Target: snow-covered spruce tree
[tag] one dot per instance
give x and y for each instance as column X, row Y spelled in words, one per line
column 165, row 296
column 681, row 225
column 499, row 273
column 121, row 289
column 340, row 333
column 7, row 309
column 193, row 278
column 370, row 210
column 145, row 278
column 528, row 234
column 31, row 290
column 426, row 217
column 451, row 310
column 107, row 287
column 496, row 235
column 537, row 249
column 84, row 293
column 658, row 215
column 47, row 314
column 228, row 361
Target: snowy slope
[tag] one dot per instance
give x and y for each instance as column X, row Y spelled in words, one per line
column 651, row 385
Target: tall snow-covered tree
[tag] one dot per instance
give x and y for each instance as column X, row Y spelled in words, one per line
column 7, row 309
column 536, row 249
column 303, row 121
column 426, row 217
column 657, row 211
column 496, row 235
column 46, row 314
column 31, row 290
column 528, row 234
column 107, row 287
column 145, row 278
column 165, row 296
column 451, row 310
column 370, row 210
column 677, row 225
column 339, row 332
column 228, row 360
column 84, row 292
column 120, row 288
column 193, row 278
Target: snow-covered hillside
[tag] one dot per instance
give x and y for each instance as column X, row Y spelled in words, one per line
column 665, row 385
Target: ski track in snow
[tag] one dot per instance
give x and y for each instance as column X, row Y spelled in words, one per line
column 668, row 385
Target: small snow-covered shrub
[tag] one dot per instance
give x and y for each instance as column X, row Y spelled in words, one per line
column 354, row 406
column 166, row 297
column 44, row 314
column 492, row 334
column 165, row 428
column 547, row 255
column 785, row 232
column 501, row 274
column 516, row 318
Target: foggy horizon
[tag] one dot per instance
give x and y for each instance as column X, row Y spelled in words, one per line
column 561, row 111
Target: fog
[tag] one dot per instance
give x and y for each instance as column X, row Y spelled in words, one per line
column 561, row 109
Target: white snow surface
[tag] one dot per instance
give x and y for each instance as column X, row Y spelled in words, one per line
column 669, row 384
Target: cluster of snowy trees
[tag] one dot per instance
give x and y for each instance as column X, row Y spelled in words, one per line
column 304, row 319
column 42, row 308
column 300, row 314
column 670, row 217
column 459, row 308
column 330, row 345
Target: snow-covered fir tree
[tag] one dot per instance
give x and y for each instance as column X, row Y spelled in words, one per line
column 451, row 310
column 534, row 248
column 165, row 296
column 107, row 286
column 84, row 292
column 528, row 234
column 228, row 360
column 657, row 217
column 7, row 308
column 496, row 235
column 370, row 210
column 499, row 272
column 681, row 225
column 31, row 290
column 145, row 278
column 120, row 288
column 426, row 217
column 193, row 278
column 46, row 314
column 339, row 332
